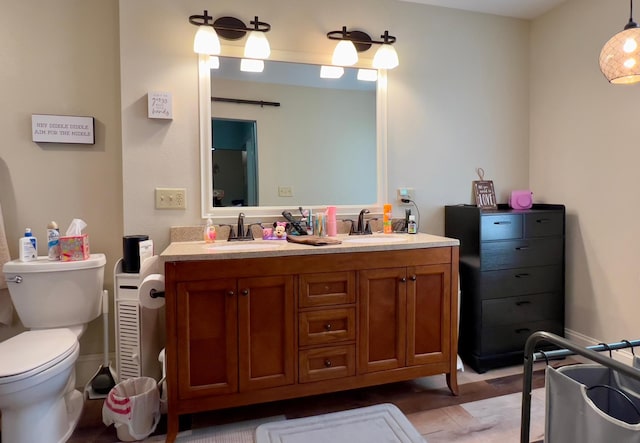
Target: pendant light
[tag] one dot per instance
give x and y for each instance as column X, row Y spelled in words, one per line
column 345, row 53
column 620, row 56
column 206, row 40
column 386, row 56
column 257, row 45
column 352, row 42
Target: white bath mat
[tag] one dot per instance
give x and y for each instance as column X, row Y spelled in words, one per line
column 383, row 423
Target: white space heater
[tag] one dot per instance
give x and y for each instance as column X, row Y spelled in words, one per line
column 139, row 332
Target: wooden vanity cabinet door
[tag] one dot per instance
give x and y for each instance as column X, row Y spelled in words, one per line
column 382, row 309
column 428, row 314
column 266, row 331
column 207, row 338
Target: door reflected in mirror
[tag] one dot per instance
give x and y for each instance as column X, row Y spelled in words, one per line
column 317, row 146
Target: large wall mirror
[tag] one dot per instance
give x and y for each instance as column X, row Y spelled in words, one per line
column 286, row 138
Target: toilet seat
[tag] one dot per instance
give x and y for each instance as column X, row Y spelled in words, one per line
column 32, row 352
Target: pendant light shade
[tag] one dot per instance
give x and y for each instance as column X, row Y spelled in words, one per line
column 386, row 57
column 257, row 46
column 620, row 56
column 206, row 41
column 345, row 54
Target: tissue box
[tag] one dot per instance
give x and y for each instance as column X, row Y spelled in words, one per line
column 74, row 248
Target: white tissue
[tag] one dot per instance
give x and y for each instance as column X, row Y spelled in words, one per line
column 76, row 227
column 151, row 283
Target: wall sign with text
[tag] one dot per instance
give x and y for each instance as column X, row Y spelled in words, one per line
column 46, row 128
column 160, row 105
column 484, row 192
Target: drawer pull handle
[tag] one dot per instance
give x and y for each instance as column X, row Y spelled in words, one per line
column 502, row 223
column 231, row 293
column 327, row 327
column 522, row 248
column 543, row 220
column 327, row 363
column 521, row 330
column 524, row 275
column 245, row 292
column 522, row 303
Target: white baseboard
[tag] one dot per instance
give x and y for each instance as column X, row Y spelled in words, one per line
column 621, row 355
column 88, row 364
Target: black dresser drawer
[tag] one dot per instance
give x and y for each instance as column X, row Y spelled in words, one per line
column 501, row 227
column 543, row 224
column 520, row 281
column 511, row 338
column 521, row 253
column 522, row 309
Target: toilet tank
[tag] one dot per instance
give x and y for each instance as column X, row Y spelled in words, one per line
column 53, row 294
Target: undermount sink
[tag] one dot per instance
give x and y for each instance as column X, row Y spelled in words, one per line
column 376, row 239
column 249, row 246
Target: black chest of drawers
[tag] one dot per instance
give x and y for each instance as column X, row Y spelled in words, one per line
column 511, row 279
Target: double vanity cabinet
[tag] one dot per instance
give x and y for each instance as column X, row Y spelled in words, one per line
column 293, row 320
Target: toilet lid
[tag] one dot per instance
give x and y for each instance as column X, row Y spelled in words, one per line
column 34, row 351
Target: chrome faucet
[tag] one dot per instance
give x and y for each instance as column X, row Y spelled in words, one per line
column 362, row 228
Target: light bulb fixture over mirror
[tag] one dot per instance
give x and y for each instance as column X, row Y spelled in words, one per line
column 230, row 28
column 352, row 42
column 620, row 56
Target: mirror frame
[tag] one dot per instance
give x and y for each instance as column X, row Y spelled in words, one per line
column 268, row 213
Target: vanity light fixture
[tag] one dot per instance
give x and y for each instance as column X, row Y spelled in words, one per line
column 231, row 28
column 352, row 42
column 620, row 56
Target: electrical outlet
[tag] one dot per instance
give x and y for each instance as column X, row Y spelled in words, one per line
column 406, row 194
column 171, row 198
column 285, row 191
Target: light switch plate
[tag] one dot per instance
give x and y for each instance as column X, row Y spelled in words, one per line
column 171, row 198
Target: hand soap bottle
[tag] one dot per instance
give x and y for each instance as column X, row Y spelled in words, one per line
column 209, row 232
column 28, row 247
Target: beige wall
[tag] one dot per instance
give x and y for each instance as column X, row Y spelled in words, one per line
column 584, row 152
column 61, row 57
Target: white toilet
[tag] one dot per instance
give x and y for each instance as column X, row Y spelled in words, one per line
column 55, row 300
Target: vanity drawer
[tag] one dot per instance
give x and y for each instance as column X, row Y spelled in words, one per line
column 327, row 363
column 500, row 227
column 326, row 326
column 520, row 281
column 521, row 253
column 325, row 289
column 512, row 338
column 543, row 224
column 521, row 309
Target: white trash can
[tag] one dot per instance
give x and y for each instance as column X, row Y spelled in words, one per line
column 133, row 407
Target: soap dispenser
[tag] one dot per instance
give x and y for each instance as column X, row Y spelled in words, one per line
column 209, row 232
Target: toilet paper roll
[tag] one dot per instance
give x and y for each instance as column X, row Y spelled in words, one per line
column 151, row 283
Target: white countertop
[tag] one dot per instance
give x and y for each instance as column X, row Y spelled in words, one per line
column 222, row 249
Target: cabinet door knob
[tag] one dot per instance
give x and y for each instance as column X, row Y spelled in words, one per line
column 327, row 363
column 231, row 293
column 245, row 292
column 413, row 278
column 327, row 327
column 403, row 279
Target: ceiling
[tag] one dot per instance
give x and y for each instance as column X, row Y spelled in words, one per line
column 526, row 9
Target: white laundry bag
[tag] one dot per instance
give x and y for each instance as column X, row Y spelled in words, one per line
column 133, row 406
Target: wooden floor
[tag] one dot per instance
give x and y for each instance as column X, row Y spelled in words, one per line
column 411, row 397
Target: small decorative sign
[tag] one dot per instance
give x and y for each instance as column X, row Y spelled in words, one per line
column 484, row 192
column 159, row 105
column 47, row 128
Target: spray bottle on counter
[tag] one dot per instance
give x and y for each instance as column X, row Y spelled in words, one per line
column 53, row 241
column 28, row 246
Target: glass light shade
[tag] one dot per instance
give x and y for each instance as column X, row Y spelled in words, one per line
column 206, row 41
column 331, row 71
column 367, row 75
column 214, row 62
column 386, row 57
column 257, row 45
column 251, row 65
column 620, row 57
column 345, row 54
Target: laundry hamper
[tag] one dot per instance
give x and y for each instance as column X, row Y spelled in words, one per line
column 590, row 403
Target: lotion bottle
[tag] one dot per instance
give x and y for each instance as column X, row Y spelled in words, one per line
column 28, row 247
